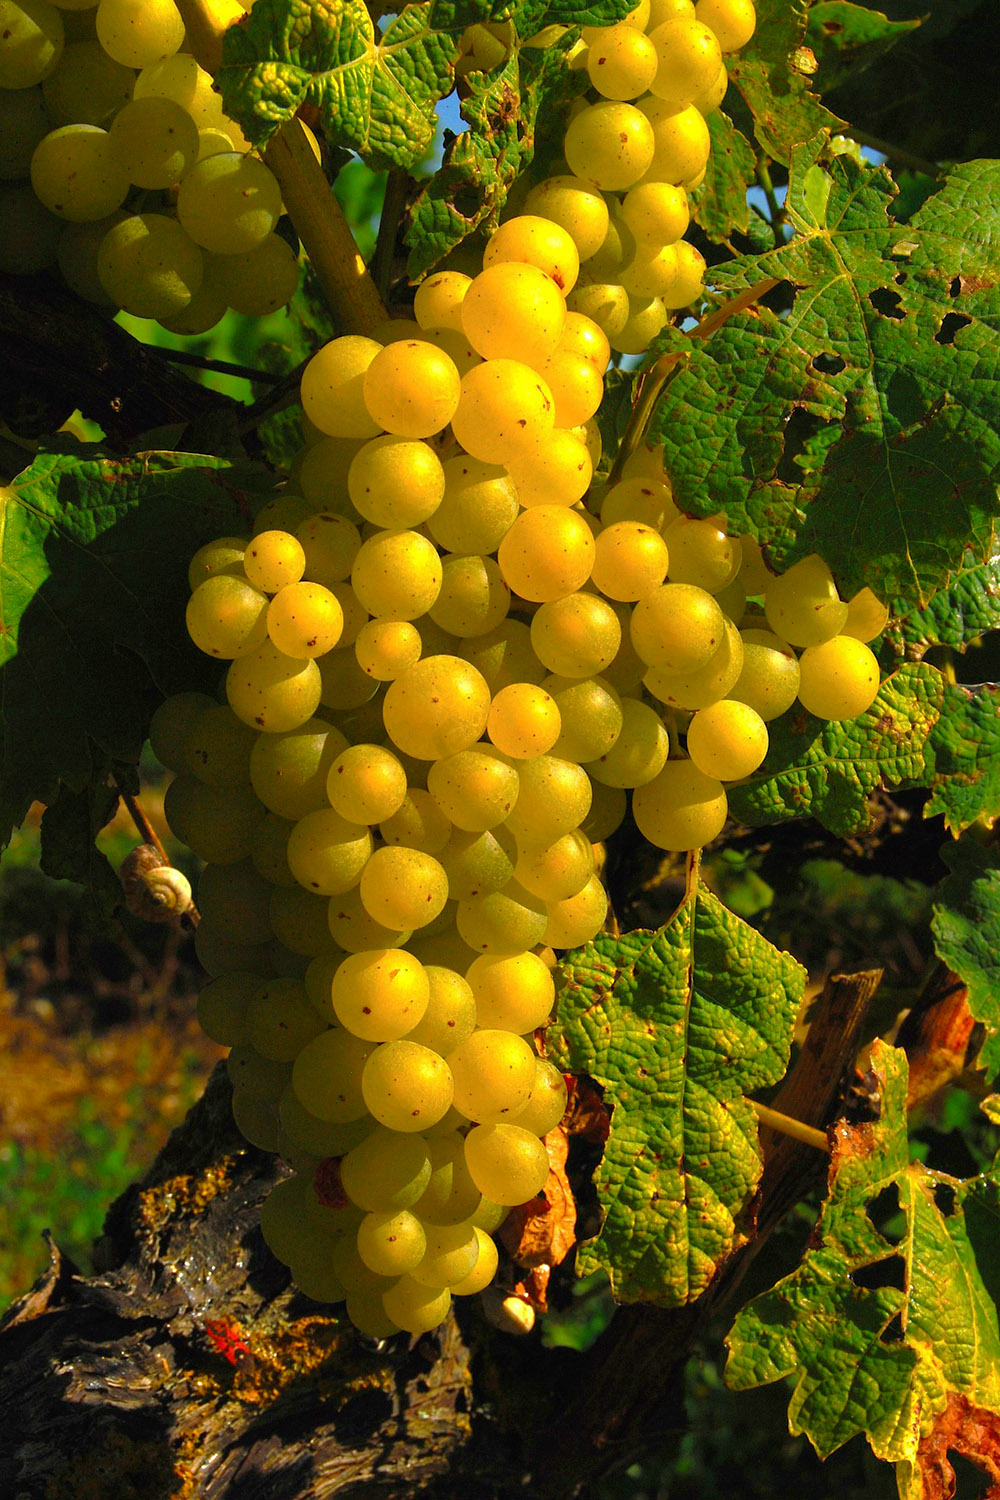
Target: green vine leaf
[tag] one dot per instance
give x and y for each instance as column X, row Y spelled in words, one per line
column 92, row 593
column 678, row 1027
column 880, row 1331
column 773, row 74
column 720, row 206
column 376, row 92
column 848, row 38
column 958, row 614
column 921, row 731
column 966, row 928
column 68, row 830
column 882, row 374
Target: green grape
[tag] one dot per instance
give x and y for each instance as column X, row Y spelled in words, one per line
column 839, row 679
column 576, row 636
column 31, row 42
column 803, row 606
column 154, row 141
column 407, row 1087
column 396, row 481
column 23, row 123
column 218, row 956
column 397, row 573
column 149, row 267
column 484, row 1270
column 450, row 1255
column 366, row 784
column 273, row 559
column 391, row 1242
column 436, row 708
column 222, row 1007
column 416, row 1308
column 381, row 994
column 319, row 1138
column 216, row 823
column 318, row 980
column 769, row 676
column 269, row 850
column 688, row 281
column 733, row 21
column 646, row 319
column 327, row 1074
column 677, row 627
column 590, row 712
column 689, row 58
column 288, row 963
column 651, row 272
column 321, row 471
column 610, row 145
column 603, row 302
column 450, row 1016
column 477, row 510
column 450, row 1196
column 574, row 206
column 478, row 863
column 534, row 240
column 257, row 1120
column 355, row 930
column 283, row 512
column 411, row 389
column 576, row 919
column 681, row 808
column 227, row 617
column 386, row 648
column 555, row 873
column 554, row 798
column 505, row 921
column 515, row 992
column 330, row 543
column 418, row 823
column 508, row 1164
column 524, row 721
column 403, row 888
column 607, row 811
column 505, row 407
column 283, row 1220
column 547, row 553
column 640, row 751
column 576, row 384
column 235, row 899
column 630, row 560
column 702, row 554
column 326, row 853
column 621, row 62
column 343, row 685
column 386, row 1171
column 75, row 174
column 639, row 498
column 582, row 336
column 514, row 311
column 547, row 1101
column 223, row 555
column 504, row 656
column 229, row 203
column 300, row 920
column 657, row 213
column 304, row 620
column 139, row 32
column 171, row 724
column 259, row 281
column 475, row 788
column 280, row 1021
column 88, row 87
column 705, row 684
column 251, row 1073
column 681, row 142
column 289, row 771
column 556, row 471
column 271, row 691
column 473, row 598
column 438, row 300
column 180, row 78
column 867, row 616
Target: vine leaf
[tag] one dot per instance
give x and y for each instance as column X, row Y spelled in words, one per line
column 921, row 731
column 678, row 1027
column 376, row 92
column 848, row 38
column 68, row 831
column 956, row 615
column 92, row 593
column 966, row 928
column 883, row 372
column 879, row 1330
column 720, row 205
column 772, row 73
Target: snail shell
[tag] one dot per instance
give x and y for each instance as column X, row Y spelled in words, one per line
column 154, row 890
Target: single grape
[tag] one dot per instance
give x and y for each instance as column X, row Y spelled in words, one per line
column 514, row 311
column 705, row 684
column 610, row 145
column 397, row 573
column 326, row 853
column 304, row 620
column 380, row 995
column 273, row 559
column 407, row 1087
column 494, row 1071
column 327, row 1076
column 414, row 1307
column 547, row 553
column 411, row 389
column 769, row 678
column 508, row 1165
column 727, row 740
column 681, row 808
column 547, row 1101
column 839, row 679
column 535, row 240
column 403, row 888
column 436, row 708
column 386, row 1171
column 513, row 992
column 229, row 203
column 505, row 408
column 802, row 605
column 575, row 206
column 524, row 720
column 271, row 691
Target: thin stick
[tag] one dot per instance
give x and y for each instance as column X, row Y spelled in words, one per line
column 220, row 366
column 785, row 1125
column 396, row 187
column 896, row 153
column 767, row 187
column 147, row 832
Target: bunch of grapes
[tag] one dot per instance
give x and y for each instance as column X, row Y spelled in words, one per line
column 451, row 660
column 120, row 167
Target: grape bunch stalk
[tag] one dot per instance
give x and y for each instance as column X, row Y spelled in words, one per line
column 455, row 661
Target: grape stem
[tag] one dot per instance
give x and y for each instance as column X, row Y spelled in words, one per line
column 653, row 383
column 785, row 1125
column 397, row 184
column 221, row 366
column 773, row 206
column 317, row 216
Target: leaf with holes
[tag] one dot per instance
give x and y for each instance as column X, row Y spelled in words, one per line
column 879, row 1326
column 956, row 615
column 94, row 588
column 376, row 93
column 884, row 371
column 921, row 731
column 508, row 111
column 678, row 1027
column 966, row 928
column 720, row 205
column 773, row 73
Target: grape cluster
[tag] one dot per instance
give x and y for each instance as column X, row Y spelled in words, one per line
column 120, row 167
column 634, row 153
column 446, row 673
